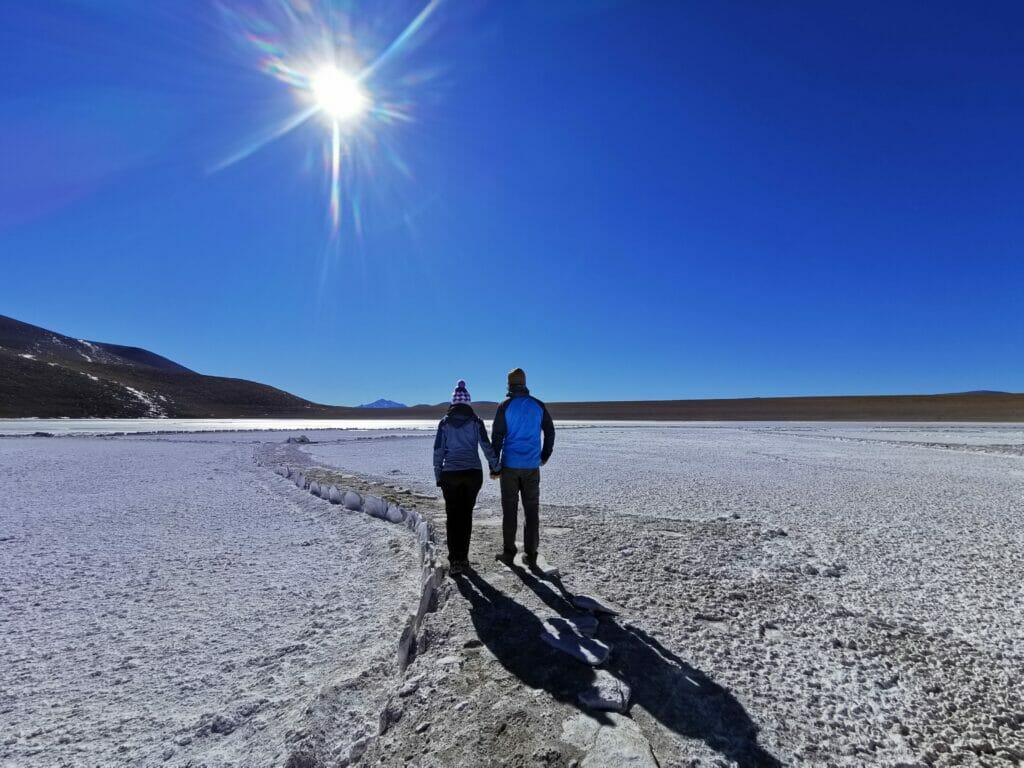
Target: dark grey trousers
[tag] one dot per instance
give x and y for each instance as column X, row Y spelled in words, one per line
column 516, row 483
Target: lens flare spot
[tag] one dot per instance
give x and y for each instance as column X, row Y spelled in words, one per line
column 338, row 94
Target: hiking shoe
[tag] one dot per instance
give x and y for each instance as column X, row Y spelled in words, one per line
column 530, row 560
column 457, row 567
column 505, row 557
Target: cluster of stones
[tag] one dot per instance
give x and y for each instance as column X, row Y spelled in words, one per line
column 574, row 636
column 432, row 574
column 619, row 741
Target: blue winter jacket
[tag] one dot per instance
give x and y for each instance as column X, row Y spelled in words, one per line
column 517, row 429
column 458, row 435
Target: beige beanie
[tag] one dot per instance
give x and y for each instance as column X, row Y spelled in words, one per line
column 517, row 377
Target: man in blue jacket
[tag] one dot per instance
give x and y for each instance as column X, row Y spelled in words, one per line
column 516, row 438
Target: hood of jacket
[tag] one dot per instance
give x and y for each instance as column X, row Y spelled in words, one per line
column 460, row 413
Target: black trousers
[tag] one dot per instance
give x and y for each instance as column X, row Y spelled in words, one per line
column 516, row 483
column 460, row 489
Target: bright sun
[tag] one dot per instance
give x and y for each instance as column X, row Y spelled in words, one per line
column 338, row 94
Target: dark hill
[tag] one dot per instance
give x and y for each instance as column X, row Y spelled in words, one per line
column 143, row 357
column 990, row 406
column 47, row 374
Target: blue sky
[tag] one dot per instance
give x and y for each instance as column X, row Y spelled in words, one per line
column 630, row 200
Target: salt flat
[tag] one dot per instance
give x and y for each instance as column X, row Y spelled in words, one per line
column 171, row 603
column 919, row 519
column 800, row 594
column 855, row 587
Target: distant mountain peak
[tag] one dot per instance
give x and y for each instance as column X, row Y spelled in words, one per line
column 382, row 403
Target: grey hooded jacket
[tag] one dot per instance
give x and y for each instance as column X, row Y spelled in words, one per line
column 458, row 435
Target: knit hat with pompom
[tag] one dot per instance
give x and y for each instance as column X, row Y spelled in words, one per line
column 461, row 394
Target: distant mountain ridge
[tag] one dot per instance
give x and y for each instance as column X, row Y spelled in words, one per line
column 48, row 374
column 382, row 403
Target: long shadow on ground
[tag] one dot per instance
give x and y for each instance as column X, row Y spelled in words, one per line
column 512, row 633
column 678, row 695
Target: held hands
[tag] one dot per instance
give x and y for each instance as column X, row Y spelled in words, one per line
column 495, row 475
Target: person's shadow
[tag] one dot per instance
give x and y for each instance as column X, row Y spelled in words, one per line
column 512, row 633
column 681, row 697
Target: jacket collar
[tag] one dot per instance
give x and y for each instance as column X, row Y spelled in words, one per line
column 461, row 412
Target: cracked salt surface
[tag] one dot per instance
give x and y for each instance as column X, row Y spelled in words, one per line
column 856, row 588
column 844, row 594
column 167, row 602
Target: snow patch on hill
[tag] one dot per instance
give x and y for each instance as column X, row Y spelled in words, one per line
column 154, row 409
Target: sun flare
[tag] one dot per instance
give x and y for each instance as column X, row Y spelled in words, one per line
column 298, row 42
column 338, row 94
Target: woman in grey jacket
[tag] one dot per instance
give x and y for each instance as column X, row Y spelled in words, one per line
column 458, row 471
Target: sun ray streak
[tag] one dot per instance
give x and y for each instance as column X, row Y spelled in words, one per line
column 261, row 140
column 385, row 113
column 314, row 47
column 401, row 40
column 336, row 178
